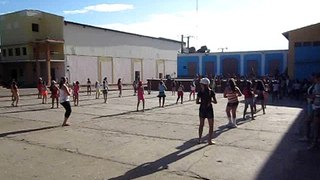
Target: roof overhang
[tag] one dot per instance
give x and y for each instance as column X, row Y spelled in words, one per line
column 49, row 41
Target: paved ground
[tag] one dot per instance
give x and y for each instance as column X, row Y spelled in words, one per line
column 112, row 141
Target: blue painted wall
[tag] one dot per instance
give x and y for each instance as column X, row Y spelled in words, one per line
column 254, row 57
column 273, row 56
column 307, row 61
column 183, row 62
column 233, row 56
column 209, row 58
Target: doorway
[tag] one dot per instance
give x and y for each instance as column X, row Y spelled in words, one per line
column 192, row 69
column 53, row 74
column 209, row 69
column 137, row 76
column 14, row 74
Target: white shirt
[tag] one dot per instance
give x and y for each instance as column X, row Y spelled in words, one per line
column 64, row 96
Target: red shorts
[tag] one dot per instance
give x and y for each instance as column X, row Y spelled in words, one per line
column 180, row 93
column 54, row 95
column 44, row 93
column 140, row 98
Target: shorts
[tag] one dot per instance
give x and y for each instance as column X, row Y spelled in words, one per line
column 140, row 98
column 206, row 112
column 248, row 101
column 104, row 91
column 234, row 104
column 161, row 94
column 180, row 93
column 54, row 96
column 260, row 97
column 44, row 93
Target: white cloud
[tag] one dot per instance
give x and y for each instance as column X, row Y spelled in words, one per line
column 258, row 26
column 101, row 8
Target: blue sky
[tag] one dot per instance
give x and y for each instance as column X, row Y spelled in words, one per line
column 239, row 25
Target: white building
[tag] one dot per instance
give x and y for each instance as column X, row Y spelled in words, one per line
column 92, row 52
column 81, row 51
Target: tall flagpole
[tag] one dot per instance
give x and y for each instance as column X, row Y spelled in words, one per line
column 197, row 25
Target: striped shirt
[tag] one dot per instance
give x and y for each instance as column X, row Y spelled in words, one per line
column 232, row 95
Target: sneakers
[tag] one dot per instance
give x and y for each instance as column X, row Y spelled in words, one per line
column 229, row 124
column 232, row 125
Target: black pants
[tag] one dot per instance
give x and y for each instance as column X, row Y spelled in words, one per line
column 67, row 106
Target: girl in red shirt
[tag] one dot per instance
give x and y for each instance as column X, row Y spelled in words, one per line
column 140, row 90
column 54, row 94
column 248, row 99
column 76, row 93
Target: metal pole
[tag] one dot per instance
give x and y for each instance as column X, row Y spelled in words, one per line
column 182, row 44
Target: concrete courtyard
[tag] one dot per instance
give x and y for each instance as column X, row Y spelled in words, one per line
column 112, row 141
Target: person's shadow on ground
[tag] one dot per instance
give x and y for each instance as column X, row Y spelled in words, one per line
column 162, row 163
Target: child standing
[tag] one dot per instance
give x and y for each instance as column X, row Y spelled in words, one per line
column 192, row 91
column 231, row 93
column 15, row 93
column 248, row 98
column 65, row 99
column 76, row 91
column 140, row 90
column 180, row 93
column 162, row 93
column 260, row 91
column 97, row 86
column 134, row 86
column 205, row 98
column 39, row 85
column 105, row 89
column 44, row 91
column 88, row 87
column 54, row 93
column 173, row 87
column 120, row 87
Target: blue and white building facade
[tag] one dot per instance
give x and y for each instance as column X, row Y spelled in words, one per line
column 257, row 63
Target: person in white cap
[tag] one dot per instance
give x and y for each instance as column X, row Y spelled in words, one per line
column 205, row 98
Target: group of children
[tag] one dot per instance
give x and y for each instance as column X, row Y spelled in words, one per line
column 205, row 97
column 43, row 92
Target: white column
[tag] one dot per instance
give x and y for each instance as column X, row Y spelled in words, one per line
column 263, row 59
column 218, row 65
column 241, row 65
column 200, row 64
